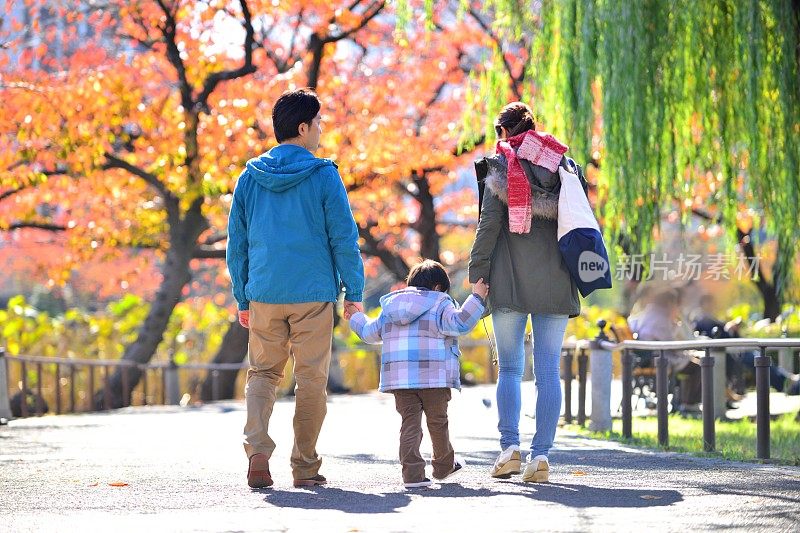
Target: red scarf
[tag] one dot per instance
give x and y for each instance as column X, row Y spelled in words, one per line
column 538, row 148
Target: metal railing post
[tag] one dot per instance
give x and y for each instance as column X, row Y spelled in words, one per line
column 567, row 362
column 661, row 394
column 707, row 381
column 5, row 400
column 107, row 388
column 58, row 389
column 39, row 400
column 171, row 384
column 91, row 389
column 23, row 406
column 762, row 364
column 720, row 381
column 627, row 392
column 600, row 361
column 71, row 388
column 583, row 363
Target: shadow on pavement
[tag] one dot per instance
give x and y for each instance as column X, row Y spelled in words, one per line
column 722, row 489
column 342, row 500
column 568, row 495
column 581, row 496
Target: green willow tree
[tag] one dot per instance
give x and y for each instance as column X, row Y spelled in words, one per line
column 684, row 89
column 687, row 88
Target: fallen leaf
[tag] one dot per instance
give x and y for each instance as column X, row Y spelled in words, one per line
column 93, row 484
column 579, row 473
column 118, row 484
column 650, row 497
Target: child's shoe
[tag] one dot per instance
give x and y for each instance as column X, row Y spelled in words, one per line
column 508, row 462
column 458, row 465
column 419, row 484
column 537, row 470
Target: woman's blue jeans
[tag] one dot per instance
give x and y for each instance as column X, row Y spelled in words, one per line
column 548, row 336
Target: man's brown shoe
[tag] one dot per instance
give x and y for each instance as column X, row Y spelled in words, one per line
column 311, row 482
column 258, row 476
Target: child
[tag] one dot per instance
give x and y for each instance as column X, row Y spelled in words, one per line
column 419, row 363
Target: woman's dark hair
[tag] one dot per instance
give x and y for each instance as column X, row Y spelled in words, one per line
column 292, row 109
column 516, row 118
column 427, row 275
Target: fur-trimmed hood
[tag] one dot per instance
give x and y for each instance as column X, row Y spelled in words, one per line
column 545, row 185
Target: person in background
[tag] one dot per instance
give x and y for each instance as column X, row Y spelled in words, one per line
column 661, row 321
column 706, row 324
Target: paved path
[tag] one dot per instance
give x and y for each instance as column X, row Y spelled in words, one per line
column 185, row 471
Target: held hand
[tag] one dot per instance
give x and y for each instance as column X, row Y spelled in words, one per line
column 481, row 289
column 351, row 308
column 244, row 318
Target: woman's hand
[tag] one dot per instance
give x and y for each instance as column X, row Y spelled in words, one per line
column 481, row 289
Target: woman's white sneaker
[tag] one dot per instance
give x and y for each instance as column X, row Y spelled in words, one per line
column 537, row 470
column 508, row 462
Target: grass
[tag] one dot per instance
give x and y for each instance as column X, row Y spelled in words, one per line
column 735, row 440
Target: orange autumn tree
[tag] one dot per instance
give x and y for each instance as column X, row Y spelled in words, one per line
column 143, row 147
column 141, row 134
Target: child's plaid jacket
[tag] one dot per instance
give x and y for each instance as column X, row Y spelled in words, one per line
column 418, row 328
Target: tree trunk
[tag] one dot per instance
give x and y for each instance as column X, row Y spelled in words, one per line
column 233, row 350
column 176, row 274
column 317, row 47
column 768, row 291
column 426, row 223
column 772, row 305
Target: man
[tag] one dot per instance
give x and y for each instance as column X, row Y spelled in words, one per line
column 292, row 243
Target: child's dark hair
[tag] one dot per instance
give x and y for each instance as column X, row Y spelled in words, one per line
column 292, row 109
column 428, row 275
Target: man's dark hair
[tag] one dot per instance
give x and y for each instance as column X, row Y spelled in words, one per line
column 427, row 275
column 292, row 109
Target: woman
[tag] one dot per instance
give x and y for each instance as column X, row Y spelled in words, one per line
column 516, row 249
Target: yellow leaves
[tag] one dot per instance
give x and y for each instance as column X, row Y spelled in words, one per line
column 13, row 347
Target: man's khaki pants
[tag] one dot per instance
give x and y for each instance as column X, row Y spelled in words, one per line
column 277, row 331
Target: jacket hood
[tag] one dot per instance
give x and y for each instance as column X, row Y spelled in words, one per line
column 545, row 185
column 284, row 166
column 406, row 305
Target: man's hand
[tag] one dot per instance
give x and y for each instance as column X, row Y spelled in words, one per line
column 351, row 308
column 244, row 318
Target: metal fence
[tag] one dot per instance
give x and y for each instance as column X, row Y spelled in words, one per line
column 712, row 374
column 74, row 382
column 69, row 385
